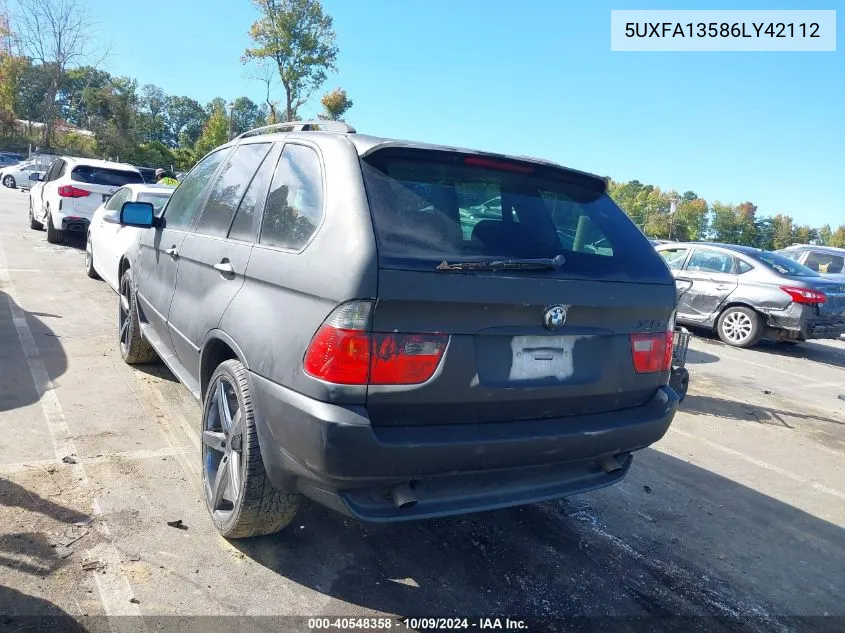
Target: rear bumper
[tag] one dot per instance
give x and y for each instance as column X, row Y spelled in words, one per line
column 802, row 322
column 334, row 455
column 75, row 224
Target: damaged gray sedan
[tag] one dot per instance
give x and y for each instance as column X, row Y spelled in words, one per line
column 745, row 293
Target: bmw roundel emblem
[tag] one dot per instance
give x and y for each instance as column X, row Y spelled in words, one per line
column 555, row 317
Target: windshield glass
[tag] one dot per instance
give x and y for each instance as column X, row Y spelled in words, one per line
column 158, row 200
column 104, row 176
column 784, row 265
column 430, row 207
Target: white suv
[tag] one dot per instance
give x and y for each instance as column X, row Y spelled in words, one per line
column 70, row 192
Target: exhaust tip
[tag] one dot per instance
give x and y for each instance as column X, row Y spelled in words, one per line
column 403, row 496
column 609, row 464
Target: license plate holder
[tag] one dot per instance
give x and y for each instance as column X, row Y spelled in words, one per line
column 542, row 357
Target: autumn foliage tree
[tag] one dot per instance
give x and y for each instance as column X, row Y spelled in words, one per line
column 335, row 105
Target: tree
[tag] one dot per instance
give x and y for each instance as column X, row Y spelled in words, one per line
column 804, row 234
column 265, row 72
column 246, row 115
column 54, row 34
column 300, row 39
column 185, row 119
column 214, row 133
column 152, row 124
column 825, row 234
column 838, row 237
column 782, row 225
column 335, row 105
column 746, row 224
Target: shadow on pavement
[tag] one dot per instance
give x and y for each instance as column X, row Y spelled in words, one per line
column 833, row 356
column 740, row 411
column 698, row 357
column 23, row 613
column 17, row 388
column 694, row 543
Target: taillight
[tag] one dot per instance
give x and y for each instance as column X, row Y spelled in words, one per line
column 804, row 295
column 69, row 191
column 652, row 352
column 344, row 352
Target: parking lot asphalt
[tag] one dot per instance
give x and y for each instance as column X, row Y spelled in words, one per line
column 737, row 514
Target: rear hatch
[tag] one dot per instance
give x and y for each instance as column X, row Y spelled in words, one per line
column 532, row 275
column 834, row 304
column 92, row 185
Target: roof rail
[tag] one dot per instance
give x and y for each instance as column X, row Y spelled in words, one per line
column 301, row 126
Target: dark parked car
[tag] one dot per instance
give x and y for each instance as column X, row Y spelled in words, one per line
column 746, row 293
column 825, row 260
column 358, row 334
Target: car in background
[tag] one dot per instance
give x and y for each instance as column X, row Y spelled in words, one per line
column 149, row 174
column 356, row 333
column 7, row 159
column 107, row 240
column 72, row 190
column 18, row 175
column 825, row 260
column 746, row 293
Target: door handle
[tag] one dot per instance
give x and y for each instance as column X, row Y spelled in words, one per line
column 225, row 267
column 174, row 254
column 722, row 287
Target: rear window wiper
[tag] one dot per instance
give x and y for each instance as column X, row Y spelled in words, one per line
column 540, row 263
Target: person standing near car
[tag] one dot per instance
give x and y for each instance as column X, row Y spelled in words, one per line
column 164, row 177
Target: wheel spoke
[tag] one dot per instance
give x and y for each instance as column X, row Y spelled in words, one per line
column 219, row 485
column 237, row 424
column 124, row 329
column 223, row 407
column 124, row 302
column 233, row 484
column 214, row 440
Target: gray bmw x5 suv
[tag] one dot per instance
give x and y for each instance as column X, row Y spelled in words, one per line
column 398, row 330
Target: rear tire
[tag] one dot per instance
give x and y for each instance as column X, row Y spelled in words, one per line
column 54, row 235
column 9, row 181
column 239, row 496
column 134, row 348
column 34, row 224
column 89, row 258
column 739, row 327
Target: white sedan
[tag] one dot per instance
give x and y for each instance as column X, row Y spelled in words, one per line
column 15, row 176
column 107, row 239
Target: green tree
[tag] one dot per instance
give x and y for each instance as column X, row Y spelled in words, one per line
column 825, row 234
column 299, row 38
column 783, row 230
column 152, row 121
column 746, row 224
column 214, row 133
column 838, row 237
column 246, row 115
column 804, row 234
column 335, row 104
column 185, row 119
column 724, row 225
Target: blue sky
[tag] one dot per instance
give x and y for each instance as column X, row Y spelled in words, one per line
column 537, row 77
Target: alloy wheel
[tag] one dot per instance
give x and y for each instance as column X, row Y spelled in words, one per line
column 222, row 440
column 8, row 181
column 737, row 326
column 89, row 256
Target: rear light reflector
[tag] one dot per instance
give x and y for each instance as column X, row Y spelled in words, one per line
column 652, row 352
column 343, row 352
column 69, row 191
column 804, row 295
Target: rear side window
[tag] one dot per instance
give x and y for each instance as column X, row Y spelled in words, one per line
column 229, row 187
column 430, row 206
column 245, row 226
column 825, row 262
column 743, row 267
column 117, row 200
column 294, row 207
column 103, row 176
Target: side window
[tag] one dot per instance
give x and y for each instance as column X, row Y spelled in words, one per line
column 62, row 170
column 186, row 200
column 229, row 187
column 245, row 227
column 793, row 255
column 674, row 257
column 54, row 169
column 117, row 200
column 743, row 267
column 825, row 263
column 705, row 260
column 294, row 207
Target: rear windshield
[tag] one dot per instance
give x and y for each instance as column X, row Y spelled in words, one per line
column 430, row 207
column 104, row 176
column 158, row 200
column 784, row 265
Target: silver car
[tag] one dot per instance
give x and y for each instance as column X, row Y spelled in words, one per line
column 825, row 260
column 746, row 293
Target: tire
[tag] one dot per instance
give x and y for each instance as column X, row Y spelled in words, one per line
column 248, row 504
column 89, row 258
column 9, row 181
column 34, row 224
column 739, row 327
column 134, row 349
column 54, row 235
column 679, row 381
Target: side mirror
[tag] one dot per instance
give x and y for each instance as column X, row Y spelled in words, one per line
column 35, row 176
column 138, row 214
column 41, row 177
